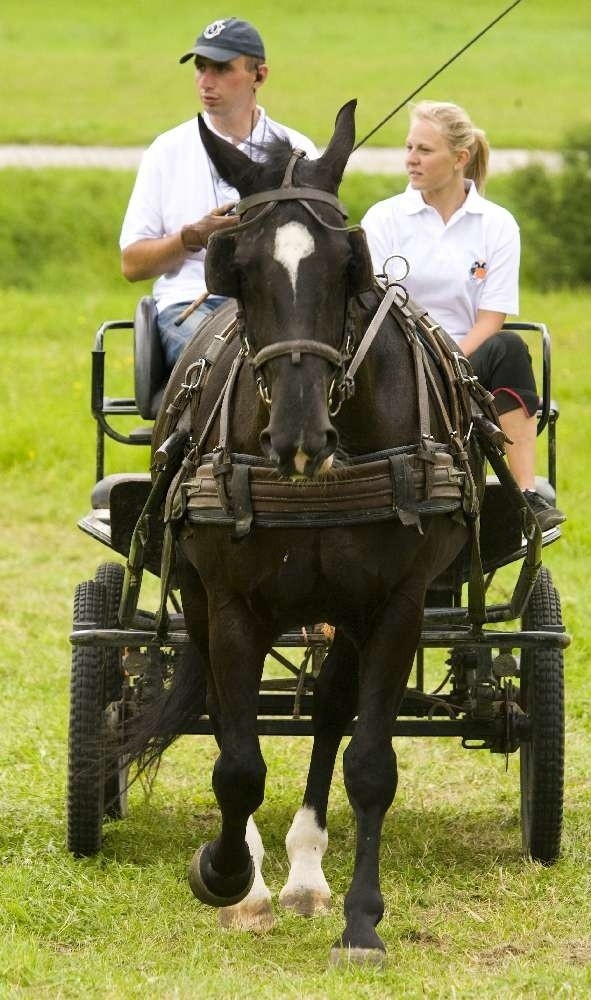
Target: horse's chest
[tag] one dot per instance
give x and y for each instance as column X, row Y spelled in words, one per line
column 331, row 565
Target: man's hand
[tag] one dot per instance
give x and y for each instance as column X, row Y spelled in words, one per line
column 195, row 235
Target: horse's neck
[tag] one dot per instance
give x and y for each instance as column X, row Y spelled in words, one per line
column 249, row 416
column 383, row 412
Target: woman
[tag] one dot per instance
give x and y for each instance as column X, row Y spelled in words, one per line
column 463, row 253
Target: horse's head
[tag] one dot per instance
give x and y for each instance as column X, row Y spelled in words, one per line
column 294, row 266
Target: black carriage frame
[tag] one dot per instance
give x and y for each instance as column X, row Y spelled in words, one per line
column 503, row 702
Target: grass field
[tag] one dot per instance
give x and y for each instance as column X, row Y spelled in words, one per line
column 83, row 72
column 465, row 915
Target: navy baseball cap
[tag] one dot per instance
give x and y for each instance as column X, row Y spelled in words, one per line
column 226, row 39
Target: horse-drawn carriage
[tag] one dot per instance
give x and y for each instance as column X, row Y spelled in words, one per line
column 502, row 687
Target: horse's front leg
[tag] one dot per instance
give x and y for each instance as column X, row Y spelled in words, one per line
column 255, row 912
column 369, row 765
column 306, row 891
column 222, row 872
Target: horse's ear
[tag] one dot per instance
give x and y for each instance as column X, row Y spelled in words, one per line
column 221, row 273
column 231, row 163
column 361, row 273
column 333, row 161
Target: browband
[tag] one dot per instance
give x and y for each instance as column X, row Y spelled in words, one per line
column 290, row 194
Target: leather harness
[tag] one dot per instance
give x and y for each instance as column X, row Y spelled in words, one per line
column 429, row 477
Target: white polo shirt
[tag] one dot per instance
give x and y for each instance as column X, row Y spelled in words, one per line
column 177, row 184
column 456, row 268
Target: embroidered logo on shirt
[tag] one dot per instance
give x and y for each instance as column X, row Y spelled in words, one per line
column 214, row 29
column 479, row 269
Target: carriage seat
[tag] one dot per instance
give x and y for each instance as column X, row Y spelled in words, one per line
column 148, row 359
column 100, row 497
column 117, row 502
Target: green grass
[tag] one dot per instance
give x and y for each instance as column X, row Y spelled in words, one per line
column 95, row 73
column 465, row 915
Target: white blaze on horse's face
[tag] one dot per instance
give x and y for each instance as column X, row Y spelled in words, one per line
column 293, row 242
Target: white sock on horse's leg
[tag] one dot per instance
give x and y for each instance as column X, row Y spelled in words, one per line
column 306, row 891
column 255, row 912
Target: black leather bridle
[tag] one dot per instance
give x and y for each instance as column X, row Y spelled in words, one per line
column 340, row 387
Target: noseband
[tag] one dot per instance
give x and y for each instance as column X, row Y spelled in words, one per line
column 341, row 387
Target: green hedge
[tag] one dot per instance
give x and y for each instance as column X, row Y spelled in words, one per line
column 61, row 226
column 554, row 212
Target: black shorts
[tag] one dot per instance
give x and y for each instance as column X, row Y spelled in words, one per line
column 503, row 366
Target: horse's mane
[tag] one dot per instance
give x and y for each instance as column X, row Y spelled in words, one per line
column 275, row 154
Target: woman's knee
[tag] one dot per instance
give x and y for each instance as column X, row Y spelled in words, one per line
column 514, row 348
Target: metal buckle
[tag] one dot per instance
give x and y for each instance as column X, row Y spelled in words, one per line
column 223, row 336
column 459, row 362
column 263, row 390
column 192, row 381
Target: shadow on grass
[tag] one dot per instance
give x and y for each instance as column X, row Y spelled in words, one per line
column 437, row 839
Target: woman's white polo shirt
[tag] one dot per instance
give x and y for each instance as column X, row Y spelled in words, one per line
column 456, row 268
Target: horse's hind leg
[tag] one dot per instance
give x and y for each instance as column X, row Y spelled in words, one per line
column 369, row 764
column 335, row 703
column 222, row 872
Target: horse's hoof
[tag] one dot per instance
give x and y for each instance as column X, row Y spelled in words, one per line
column 254, row 915
column 212, row 888
column 341, row 955
column 305, row 902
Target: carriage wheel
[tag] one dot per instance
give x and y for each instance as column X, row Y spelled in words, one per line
column 111, row 576
column 542, row 755
column 86, row 750
column 96, row 776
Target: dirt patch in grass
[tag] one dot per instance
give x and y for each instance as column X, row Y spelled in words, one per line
column 496, row 957
column 578, row 952
column 425, row 938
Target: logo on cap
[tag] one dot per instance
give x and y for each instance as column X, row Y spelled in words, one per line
column 214, row 29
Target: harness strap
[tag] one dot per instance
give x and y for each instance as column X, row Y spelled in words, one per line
column 371, row 332
column 427, row 385
column 296, row 348
column 241, row 501
column 421, row 370
column 302, row 194
column 196, row 377
column 404, row 495
column 222, row 458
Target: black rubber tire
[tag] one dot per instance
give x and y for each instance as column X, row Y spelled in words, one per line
column 111, row 576
column 86, row 743
column 542, row 756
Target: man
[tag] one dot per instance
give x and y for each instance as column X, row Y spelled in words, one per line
column 178, row 199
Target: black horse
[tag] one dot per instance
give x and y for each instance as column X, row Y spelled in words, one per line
column 303, row 401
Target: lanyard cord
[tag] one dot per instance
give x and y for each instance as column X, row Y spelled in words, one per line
column 437, row 72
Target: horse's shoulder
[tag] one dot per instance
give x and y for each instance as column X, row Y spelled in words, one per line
column 204, row 362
